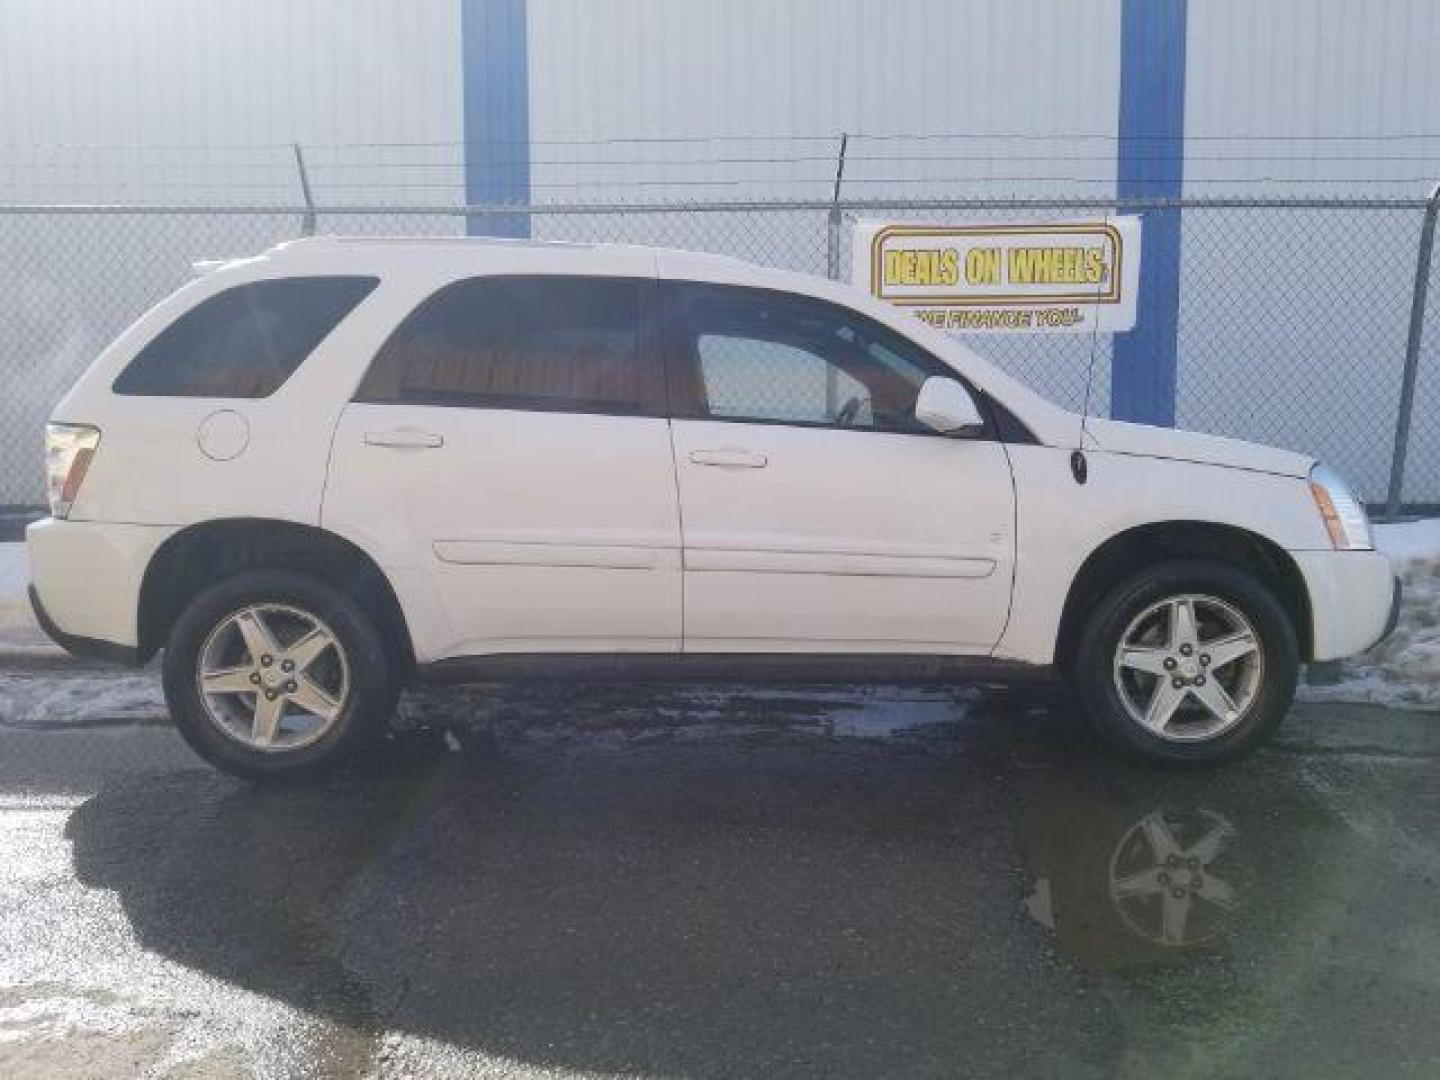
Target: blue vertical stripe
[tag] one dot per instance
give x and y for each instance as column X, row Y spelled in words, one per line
column 496, row 80
column 1151, row 164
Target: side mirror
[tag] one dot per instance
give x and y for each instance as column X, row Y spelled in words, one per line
column 944, row 405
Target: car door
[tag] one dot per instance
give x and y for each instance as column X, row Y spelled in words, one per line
column 508, row 460
column 818, row 515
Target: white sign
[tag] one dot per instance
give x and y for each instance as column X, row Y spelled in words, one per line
column 1064, row 277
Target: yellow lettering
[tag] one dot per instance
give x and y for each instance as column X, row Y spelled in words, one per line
column 922, row 266
column 982, row 266
column 949, row 267
column 1056, row 266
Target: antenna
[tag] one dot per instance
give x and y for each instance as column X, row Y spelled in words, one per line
column 1079, row 466
column 307, row 222
column 1094, row 348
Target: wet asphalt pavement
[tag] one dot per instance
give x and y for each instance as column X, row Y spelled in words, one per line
column 649, row 882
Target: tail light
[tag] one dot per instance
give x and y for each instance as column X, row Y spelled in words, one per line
column 69, row 449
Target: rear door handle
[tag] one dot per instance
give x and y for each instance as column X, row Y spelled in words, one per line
column 729, row 459
column 404, row 439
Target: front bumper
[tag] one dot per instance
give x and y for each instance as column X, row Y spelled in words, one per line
column 1354, row 600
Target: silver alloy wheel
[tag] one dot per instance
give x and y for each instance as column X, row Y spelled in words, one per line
column 273, row 677
column 1189, row 667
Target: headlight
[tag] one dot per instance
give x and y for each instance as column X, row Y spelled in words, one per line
column 1342, row 512
column 68, row 451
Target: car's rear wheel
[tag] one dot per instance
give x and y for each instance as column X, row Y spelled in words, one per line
column 273, row 674
column 1187, row 661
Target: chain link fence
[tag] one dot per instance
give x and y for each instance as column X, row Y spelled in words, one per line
column 1295, row 314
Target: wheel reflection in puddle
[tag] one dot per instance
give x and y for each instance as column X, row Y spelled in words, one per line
column 1165, row 877
column 1114, row 887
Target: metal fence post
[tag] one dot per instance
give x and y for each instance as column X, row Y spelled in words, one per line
column 832, row 270
column 1412, row 355
column 307, row 220
column 833, row 223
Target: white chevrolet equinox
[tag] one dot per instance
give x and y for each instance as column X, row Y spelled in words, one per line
column 316, row 475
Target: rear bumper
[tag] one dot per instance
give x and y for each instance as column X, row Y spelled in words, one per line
column 85, row 580
column 89, row 648
column 1354, row 600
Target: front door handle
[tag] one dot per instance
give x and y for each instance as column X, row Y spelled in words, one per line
column 404, row 439
column 729, row 459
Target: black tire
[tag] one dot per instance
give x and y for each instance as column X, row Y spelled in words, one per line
column 1093, row 667
column 364, row 716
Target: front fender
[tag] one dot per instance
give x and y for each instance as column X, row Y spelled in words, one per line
column 1060, row 523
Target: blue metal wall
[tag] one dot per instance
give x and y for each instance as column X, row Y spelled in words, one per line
column 1150, row 164
column 495, row 60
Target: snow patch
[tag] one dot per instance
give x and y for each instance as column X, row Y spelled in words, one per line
column 69, row 697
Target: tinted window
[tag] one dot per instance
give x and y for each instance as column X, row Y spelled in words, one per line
column 752, row 354
column 549, row 343
column 243, row 342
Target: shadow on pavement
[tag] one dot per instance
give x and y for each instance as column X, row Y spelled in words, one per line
column 1012, row 900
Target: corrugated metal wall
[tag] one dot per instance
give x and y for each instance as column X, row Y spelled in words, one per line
column 743, row 67
column 1313, row 94
column 774, row 84
column 1308, row 94
column 174, row 100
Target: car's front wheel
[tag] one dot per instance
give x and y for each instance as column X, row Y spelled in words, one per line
column 1187, row 661
column 273, row 674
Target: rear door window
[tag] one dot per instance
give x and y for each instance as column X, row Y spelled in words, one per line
column 243, row 342
column 542, row 343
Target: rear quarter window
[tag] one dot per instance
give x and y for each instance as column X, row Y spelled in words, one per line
column 243, row 342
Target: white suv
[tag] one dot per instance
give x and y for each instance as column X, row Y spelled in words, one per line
column 315, row 475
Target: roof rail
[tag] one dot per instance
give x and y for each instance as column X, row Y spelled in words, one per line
column 430, row 241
